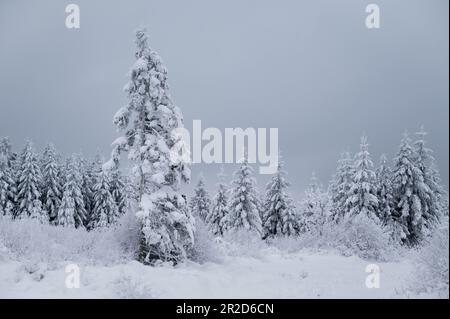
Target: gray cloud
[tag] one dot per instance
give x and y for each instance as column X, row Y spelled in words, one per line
column 310, row 68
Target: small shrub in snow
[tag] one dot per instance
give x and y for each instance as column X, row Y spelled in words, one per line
column 127, row 287
column 241, row 242
column 205, row 244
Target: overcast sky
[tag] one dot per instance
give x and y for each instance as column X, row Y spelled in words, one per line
column 310, row 68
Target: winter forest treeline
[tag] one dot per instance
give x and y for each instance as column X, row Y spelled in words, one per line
column 402, row 197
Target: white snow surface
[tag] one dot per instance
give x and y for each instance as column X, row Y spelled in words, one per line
column 272, row 274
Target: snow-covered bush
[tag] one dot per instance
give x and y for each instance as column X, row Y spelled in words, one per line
column 205, row 244
column 361, row 236
column 241, row 242
column 129, row 287
column 32, row 241
column 431, row 275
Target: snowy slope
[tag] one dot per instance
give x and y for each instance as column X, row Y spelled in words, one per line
column 304, row 274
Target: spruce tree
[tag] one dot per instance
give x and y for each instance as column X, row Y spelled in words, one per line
column 279, row 217
column 340, row 187
column 72, row 206
column 408, row 186
column 200, row 204
column 7, row 187
column 243, row 206
column 118, row 191
column 432, row 202
column 217, row 216
column 29, row 184
column 384, row 190
column 150, row 120
column 52, row 186
column 314, row 208
column 363, row 190
column 105, row 209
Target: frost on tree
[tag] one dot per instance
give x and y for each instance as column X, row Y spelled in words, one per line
column 279, row 217
column 149, row 122
column 29, row 184
column 52, row 188
column 243, row 212
column 313, row 208
column 340, row 186
column 217, row 216
column 72, row 212
column 7, row 186
column 363, row 189
column 432, row 202
column 384, row 190
column 200, row 204
column 118, row 191
column 409, row 190
column 105, row 211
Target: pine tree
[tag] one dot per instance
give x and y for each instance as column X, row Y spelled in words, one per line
column 279, row 217
column 243, row 204
column 7, row 187
column 363, row 190
column 408, row 185
column 118, row 191
column 29, row 184
column 66, row 212
column 200, row 204
column 340, row 187
column 314, row 208
column 90, row 170
column 6, row 151
column 384, row 190
column 52, row 186
column 105, row 209
column 432, row 202
column 72, row 206
column 150, row 120
column 217, row 216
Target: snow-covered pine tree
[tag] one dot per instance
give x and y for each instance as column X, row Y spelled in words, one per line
column 340, row 187
column 363, row 190
column 118, row 191
column 200, row 204
column 217, row 216
column 72, row 206
column 279, row 216
column 90, row 170
column 29, row 184
column 408, row 185
column 243, row 205
column 52, row 186
column 7, row 187
column 66, row 212
column 314, row 208
column 432, row 202
column 150, row 121
column 105, row 209
column 6, row 151
column 384, row 190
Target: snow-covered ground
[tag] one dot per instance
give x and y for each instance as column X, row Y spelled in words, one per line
column 274, row 274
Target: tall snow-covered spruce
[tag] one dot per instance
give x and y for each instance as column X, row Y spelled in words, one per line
column 279, row 216
column 363, row 189
column 52, row 187
column 408, row 189
column 72, row 211
column 7, row 185
column 243, row 212
column 432, row 202
column 384, row 190
column 105, row 211
column 200, row 204
column 150, row 121
column 217, row 216
column 29, row 184
column 340, row 187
